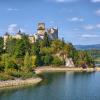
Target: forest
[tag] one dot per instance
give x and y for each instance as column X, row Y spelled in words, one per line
column 21, row 57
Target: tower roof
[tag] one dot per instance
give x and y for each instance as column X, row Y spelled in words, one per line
column 19, row 32
column 41, row 26
column 6, row 34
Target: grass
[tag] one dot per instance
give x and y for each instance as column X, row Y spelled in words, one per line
column 16, row 74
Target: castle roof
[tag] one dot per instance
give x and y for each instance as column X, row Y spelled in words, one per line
column 6, row 34
column 19, row 32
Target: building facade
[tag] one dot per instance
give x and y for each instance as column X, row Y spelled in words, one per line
column 41, row 30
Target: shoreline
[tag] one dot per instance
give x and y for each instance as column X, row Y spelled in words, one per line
column 19, row 82
column 40, row 70
column 63, row 69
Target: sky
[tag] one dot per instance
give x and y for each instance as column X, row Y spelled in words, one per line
column 78, row 21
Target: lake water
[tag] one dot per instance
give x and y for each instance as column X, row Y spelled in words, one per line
column 59, row 86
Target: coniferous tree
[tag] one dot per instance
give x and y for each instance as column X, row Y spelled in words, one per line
column 1, row 45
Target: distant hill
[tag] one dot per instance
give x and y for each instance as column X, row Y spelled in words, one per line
column 87, row 47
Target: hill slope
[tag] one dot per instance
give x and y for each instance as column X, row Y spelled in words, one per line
column 87, row 47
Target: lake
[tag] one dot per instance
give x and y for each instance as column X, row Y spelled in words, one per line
column 59, row 86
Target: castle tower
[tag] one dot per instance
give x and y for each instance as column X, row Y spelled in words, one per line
column 6, row 36
column 41, row 29
column 53, row 33
column 18, row 35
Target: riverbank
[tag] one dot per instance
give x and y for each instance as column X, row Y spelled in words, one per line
column 63, row 69
column 40, row 70
column 19, row 82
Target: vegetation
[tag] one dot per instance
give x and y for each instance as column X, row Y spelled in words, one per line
column 21, row 57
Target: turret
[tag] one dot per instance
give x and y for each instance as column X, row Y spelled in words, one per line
column 53, row 33
column 6, row 36
column 18, row 35
column 41, row 29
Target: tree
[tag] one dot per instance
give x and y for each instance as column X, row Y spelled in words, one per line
column 9, row 62
column 11, row 46
column 46, row 40
column 33, row 61
column 57, row 61
column 35, row 49
column 56, row 45
column 1, row 45
column 22, row 46
column 27, row 62
column 47, row 59
column 84, row 59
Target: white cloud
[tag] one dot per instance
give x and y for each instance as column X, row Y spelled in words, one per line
column 62, row 1
column 89, row 36
column 14, row 28
column 98, row 25
column 12, row 9
column 97, row 12
column 80, row 19
column 91, row 27
column 76, row 29
column 95, row 1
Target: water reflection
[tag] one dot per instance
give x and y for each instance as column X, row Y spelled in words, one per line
column 59, row 86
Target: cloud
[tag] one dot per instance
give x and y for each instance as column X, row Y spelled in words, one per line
column 76, row 29
column 98, row 25
column 89, row 36
column 74, row 19
column 97, row 12
column 14, row 28
column 91, row 27
column 12, row 9
column 63, row 1
column 95, row 1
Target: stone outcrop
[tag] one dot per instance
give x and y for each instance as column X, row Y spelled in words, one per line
column 69, row 62
column 19, row 82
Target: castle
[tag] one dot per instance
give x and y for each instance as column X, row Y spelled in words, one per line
column 41, row 30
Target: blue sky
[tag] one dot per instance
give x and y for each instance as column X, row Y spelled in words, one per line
column 78, row 20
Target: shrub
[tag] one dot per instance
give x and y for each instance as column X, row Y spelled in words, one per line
column 57, row 61
column 4, row 77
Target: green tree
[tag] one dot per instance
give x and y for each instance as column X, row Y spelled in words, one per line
column 47, row 59
column 1, row 45
column 9, row 62
column 27, row 62
column 33, row 61
column 46, row 40
column 35, row 49
column 22, row 46
column 11, row 46
column 57, row 61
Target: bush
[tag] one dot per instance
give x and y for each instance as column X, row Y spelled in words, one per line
column 4, row 77
column 1, row 67
column 57, row 61
column 47, row 59
column 25, row 75
column 20, row 74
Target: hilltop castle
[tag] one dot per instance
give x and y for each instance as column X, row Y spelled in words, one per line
column 41, row 30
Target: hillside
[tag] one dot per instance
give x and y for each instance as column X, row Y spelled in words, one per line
column 87, row 47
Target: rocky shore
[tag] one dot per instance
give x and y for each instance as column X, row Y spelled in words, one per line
column 32, row 81
column 63, row 69
column 19, row 82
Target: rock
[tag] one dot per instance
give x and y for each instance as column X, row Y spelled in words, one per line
column 69, row 62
